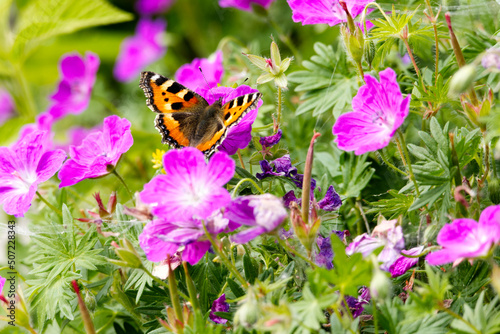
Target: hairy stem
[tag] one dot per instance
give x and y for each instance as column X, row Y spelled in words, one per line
column 408, row 161
column 124, row 184
column 56, row 210
column 246, row 180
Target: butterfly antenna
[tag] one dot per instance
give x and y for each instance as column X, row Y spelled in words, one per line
column 206, row 81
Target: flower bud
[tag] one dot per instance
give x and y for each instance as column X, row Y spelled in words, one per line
column 370, row 52
column 90, row 301
column 127, row 254
column 462, row 80
column 249, row 311
column 494, row 190
column 380, row 285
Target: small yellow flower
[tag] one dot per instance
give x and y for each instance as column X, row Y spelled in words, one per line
column 158, row 159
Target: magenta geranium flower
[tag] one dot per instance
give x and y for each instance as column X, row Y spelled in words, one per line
column 22, row 167
column 7, row 106
column 467, row 239
column 152, row 7
column 403, row 263
column 325, row 11
column 140, row 50
column 263, row 213
column 219, row 305
column 162, row 237
column 378, row 111
column 99, row 152
column 190, row 75
column 191, row 188
column 240, row 135
column 386, row 235
column 77, row 80
column 245, row 4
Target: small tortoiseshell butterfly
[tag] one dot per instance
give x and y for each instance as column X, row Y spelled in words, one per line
column 186, row 119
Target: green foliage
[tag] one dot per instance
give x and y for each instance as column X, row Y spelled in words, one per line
column 484, row 318
column 327, row 84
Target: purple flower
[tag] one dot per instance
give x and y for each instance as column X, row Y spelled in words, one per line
column 99, row 153
column 325, row 11
column 77, row 80
column 2, row 283
column 219, row 305
column 331, row 201
column 164, row 237
column 386, row 235
column 271, row 140
column 262, row 212
column 140, row 50
column 240, row 135
column 289, row 198
column 403, row 263
column 245, row 4
column 152, row 7
column 491, row 58
column 190, row 75
column 379, row 110
column 7, row 106
column 284, row 234
column 282, row 167
column 325, row 255
column 465, row 238
column 22, row 167
column 356, row 304
column 191, row 188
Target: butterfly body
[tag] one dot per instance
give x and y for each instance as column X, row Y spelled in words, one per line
column 186, row 119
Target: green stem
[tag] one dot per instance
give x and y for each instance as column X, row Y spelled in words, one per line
column 241, row 159
column 174, row 296
column 457, row 316
column 162, row 283
column 124, row 184
column 436, row 38
column 56, row 210
column 224, row 258
column 193, row 296
column 386, row 161
column 279, row 110
column 361, row 72
column 293, row 251
column 407, row 154
column 375, row 318
column 238, row 185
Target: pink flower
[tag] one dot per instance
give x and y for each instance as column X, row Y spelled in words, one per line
column 386, row 235
column 7, row 106
column 245, row 4
column 240, row 135
column 263, row 213
column 77, row 80
column 140, row 50
column 22, row 167
column 191, row 188
column 99, row 153
column 190, row 75
column 378, row 111
column 403, row 263
column 491, row 59
column 163, row 237
column 152, row 7
column 325, row 11
column 465, row 238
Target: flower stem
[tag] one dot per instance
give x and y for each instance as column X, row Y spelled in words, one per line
column 457, row 316
column 361, row 72
column 124, row 184
column 174, row 296
column 191, row 288
column 306, row 184
column 293, row 251
column 436, row 38
column 246, row 180
column 375, row 317
column 278, row 110
column 87, row 320
column 241, row 159
column 56, row 210
column 407, row 154
column 391, row 165
column 224, row 258
column 486, row 157
column 162, row 283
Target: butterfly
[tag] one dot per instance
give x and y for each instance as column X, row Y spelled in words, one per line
column 186, row 119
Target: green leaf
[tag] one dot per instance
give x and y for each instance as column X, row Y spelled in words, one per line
column 43, row 19
column 251, row 268
column 235, row 288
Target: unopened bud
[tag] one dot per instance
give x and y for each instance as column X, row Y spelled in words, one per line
column 369, row 52
column 462, row 80
column 494, row 190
